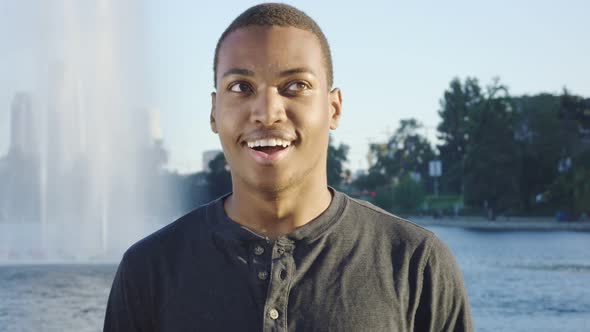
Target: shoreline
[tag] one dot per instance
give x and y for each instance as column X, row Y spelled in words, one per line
column 503, row 223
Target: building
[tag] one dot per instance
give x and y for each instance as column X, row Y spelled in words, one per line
column 23, row 138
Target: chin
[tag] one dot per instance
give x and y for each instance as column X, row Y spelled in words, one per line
column 271, row 183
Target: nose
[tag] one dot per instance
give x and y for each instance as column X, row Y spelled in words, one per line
column 268, row 108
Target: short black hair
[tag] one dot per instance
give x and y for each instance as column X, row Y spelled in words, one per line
column 278, row 14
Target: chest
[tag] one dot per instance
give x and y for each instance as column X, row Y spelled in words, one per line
column 283, row 291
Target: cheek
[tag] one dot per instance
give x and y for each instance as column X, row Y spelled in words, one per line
column 226, row 130
column 315, row 118
column 228, row 119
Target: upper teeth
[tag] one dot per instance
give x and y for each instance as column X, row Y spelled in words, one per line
column 269, row 142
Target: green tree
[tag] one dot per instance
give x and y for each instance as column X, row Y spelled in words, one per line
column 576, row 109
column 384, row 197
column 219, row 177
column 571, row 189
column 337, row 156
column 542, row 139
column 492, row 162
column 405, row 155
column 406, row 152
column 581, row 184
column 405, row 196
column 371, row 180
column 408, row 195
column 457, row 106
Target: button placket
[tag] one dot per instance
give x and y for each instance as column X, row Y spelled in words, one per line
column 259, row 261
column 279, row 286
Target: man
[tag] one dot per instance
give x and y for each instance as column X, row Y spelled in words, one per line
column 283, row 251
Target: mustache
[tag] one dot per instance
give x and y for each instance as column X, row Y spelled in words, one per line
column 285, row 135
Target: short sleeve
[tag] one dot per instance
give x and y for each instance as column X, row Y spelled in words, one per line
column 444, row 305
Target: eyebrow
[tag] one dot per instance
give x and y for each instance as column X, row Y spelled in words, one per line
column 238, row 71
column 288, row 72
column 300, row 70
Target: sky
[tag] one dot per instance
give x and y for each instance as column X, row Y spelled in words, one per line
column 392, row 60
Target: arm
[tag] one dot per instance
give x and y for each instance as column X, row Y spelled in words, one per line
column 444, row 305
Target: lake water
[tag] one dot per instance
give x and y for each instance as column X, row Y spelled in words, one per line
column 517, row 281
column 524, row 281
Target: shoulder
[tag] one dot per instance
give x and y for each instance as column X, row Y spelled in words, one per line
column 400, row 236
column 372, row 218
column 171, row 239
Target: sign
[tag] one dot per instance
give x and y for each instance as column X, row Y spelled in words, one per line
column 435, row 168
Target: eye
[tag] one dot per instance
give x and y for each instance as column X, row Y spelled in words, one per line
column 297, row 86
column 241, row 87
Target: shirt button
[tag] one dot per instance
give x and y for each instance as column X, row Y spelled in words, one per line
column 262, row 275
column 273, row 314
column 280, row 251
column 258, row 250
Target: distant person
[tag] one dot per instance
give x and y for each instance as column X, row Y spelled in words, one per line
column 283, row 251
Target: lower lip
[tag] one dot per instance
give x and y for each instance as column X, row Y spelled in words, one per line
column 268, row 158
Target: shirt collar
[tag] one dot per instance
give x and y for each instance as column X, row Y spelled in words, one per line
column 229, row 231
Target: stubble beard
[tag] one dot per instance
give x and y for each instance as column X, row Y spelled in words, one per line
column 275, row 188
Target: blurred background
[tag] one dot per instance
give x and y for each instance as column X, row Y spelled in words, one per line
column 471, row 119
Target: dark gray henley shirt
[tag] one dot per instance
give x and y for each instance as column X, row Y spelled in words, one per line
column 354, row 268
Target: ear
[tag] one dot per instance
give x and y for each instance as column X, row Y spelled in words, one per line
column 335, row 107
column 212, row 115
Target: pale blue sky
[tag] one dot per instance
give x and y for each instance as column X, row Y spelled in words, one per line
column 392, row 60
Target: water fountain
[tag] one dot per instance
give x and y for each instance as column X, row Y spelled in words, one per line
column 81, row 159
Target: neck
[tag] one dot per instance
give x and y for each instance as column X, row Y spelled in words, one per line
column 273, row 214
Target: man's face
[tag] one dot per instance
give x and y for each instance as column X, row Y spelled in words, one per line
column 273, row 109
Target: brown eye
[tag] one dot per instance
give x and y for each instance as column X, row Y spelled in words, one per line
column 240, row 87
column 297, row 86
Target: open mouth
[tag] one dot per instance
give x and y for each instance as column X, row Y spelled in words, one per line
column 268, row 150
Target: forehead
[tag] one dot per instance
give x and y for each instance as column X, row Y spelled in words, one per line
column 265, row 50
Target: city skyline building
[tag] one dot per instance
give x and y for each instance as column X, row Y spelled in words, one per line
column 23, row 136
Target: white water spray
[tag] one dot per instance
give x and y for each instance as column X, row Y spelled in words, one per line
column 91, row 161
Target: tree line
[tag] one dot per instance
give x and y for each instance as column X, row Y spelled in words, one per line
column 514, row 155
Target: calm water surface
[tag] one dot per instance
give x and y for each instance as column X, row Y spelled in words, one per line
column 524, row 281
column 517, row 281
